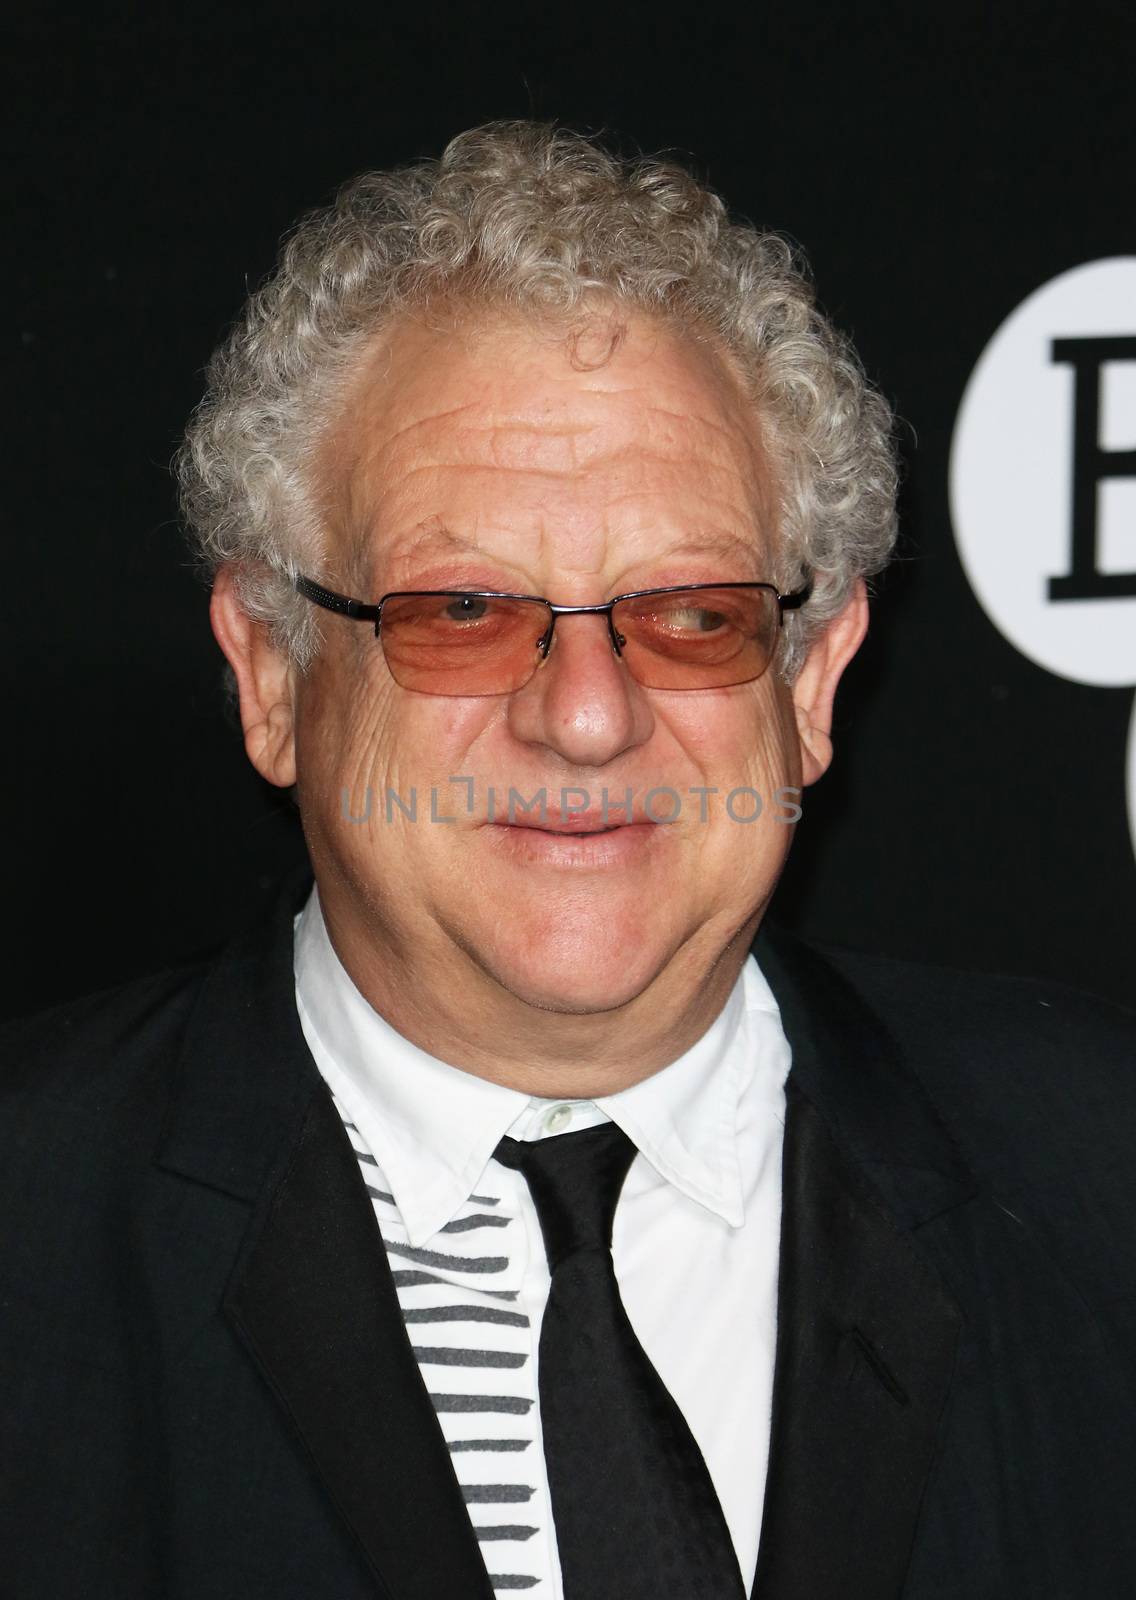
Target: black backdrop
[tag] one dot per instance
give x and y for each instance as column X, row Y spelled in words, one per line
column 937, row 162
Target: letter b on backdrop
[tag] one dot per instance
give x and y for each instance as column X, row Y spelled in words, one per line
column 1043, row 479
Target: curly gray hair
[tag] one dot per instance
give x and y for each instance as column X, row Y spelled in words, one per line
column 530, row 218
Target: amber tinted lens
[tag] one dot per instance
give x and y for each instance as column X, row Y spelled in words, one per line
column 462, row 643
column 698, row 638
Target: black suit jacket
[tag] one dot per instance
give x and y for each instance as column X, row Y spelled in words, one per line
column 208, row 1392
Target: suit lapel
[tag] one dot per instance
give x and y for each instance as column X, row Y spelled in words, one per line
column 311, row 1294
column 865, row 1348
column 314, row 1301
column 866, row 1328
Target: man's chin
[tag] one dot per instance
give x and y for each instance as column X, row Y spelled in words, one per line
column 581, row 1001
column 572, row 979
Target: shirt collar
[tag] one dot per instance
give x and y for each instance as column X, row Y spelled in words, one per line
column 433, row 1127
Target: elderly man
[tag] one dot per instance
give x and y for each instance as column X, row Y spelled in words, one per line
column 500, row 1215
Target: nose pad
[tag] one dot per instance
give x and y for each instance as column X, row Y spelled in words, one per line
column 544, row 643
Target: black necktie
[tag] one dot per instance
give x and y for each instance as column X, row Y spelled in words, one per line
column 635, row 1511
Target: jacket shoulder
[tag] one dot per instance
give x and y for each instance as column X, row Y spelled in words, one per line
column 87, row 1052
column 1034, row 1080
column 1014, row 1038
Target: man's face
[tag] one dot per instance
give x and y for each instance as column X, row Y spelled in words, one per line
column 490, row 459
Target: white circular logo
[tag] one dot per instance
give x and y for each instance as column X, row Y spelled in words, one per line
column 1043, row 475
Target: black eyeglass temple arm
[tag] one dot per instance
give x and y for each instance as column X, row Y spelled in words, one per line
column 356, row 609
column 794, row 601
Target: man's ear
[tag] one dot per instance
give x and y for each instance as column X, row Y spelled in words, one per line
column 264, row 679
column 815, row 687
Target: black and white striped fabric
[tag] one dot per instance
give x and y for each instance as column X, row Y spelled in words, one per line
column 474, row 1346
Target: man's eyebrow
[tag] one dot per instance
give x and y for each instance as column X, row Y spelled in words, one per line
column 423, row 543
column 714, row 544
column 440, row 538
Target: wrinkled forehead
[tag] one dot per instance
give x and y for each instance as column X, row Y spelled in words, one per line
column 513, row 435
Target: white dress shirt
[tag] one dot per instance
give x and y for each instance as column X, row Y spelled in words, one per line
column 695, row 1242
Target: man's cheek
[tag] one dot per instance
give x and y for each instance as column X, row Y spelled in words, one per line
column 751, row 755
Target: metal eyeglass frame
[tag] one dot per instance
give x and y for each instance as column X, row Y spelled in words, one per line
column 361, row 611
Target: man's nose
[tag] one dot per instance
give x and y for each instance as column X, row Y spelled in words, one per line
column 582, row 702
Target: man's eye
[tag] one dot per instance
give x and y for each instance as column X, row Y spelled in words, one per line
column 697, row 619
column 466, row 608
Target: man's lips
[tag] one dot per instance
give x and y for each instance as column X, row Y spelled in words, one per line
column 596, row 821
column 578, row 840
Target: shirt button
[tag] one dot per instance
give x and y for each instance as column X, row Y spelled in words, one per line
column 556, row 1120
